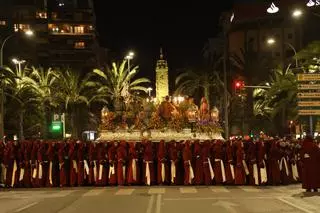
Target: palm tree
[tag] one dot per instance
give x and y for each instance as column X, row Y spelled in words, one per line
column 76, row 92
column 118, row 81
column 19, row 88
column 189, row 82
column 44, row 85
column 280, row 101
column 309, row 57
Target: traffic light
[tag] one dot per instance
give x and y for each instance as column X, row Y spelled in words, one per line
column 238, row 86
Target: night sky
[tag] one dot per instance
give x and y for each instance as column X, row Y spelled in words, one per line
column 182, row 33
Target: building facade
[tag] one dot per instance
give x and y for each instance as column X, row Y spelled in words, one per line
column 162, row 78
column 64, row 31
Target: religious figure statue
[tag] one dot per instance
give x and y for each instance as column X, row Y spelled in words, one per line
column 165, row 110
column 204, row 108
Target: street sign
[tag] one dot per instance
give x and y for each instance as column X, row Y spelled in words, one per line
column 309, row 86
column 309, row 112
column 309, row 103
column 308, row 77
column 309, row 95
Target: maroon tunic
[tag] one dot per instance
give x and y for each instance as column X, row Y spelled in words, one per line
column 121, row 167
column 240, row 169
column 82, row 176
column 148, row 165
column 273, row 161
column 173, row 157
column 188, row 170
column 92, row 163
column 112, row 154
column 102, row 159
column 34, row 164
column 27, row 164
column 310, row 154
column 73, row 163
column 206, row 162
column 218, row 166
column 229, row 163
column 162, row 166
column 133, row 174
column 261, row 161
column 251, row 159
column 198, row 171
column 62, row 167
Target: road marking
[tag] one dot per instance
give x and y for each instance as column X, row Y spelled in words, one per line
column 26, row 207
column 215, row 198
column 124, row 192
column 158, row 203
column 62, row 193
column 93, row 192
column 150, row 203
column 301, row 206
column 157, row 191
column 250, row 189
column 188, row 190
column 218, row 189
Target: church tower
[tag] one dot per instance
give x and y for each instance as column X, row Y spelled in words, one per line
column 162, row 79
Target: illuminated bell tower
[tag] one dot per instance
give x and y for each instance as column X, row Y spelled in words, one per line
column 162, row 79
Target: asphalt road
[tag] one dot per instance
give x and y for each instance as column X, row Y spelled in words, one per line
column 193, row 199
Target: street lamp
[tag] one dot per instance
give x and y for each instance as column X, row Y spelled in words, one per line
column 129, row 57
column 272, row 41
column 149, row 89
column 297, row 13
column 27, row 33
column 18, row 62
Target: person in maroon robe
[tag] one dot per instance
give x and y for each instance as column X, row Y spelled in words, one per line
column 229, row 162
column 63, row 172
column 2, row 164
column 12, row 164
column 21, row 166
column 241, row 169
column 93, row 171
column 198, row 171
column 273, row 161
column 42, row 165
column 218, row 166
column 284, row 163
column 51, row 175
column 310, row 154
column 73, row 163
column 173, row 157
column 251, row 159
column 162, row 165
column 27, row 164
column 187, row 158
column 83, row 170
column 34, row 164
column 293, row 158
column 261, row 161
column 148, row 161
column 102, row 158
column 122, row 159
column 133, row 174
column 113, row 159
column 208, row 173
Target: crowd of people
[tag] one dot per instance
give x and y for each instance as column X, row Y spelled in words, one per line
column 240, row 162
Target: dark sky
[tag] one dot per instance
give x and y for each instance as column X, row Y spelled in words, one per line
column 181, row 32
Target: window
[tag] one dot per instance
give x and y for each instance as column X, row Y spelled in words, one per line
column 21, row 27
column 290, row 36
column 79, row 29
column 3, row 23
column 41, row 15
column 79, row 45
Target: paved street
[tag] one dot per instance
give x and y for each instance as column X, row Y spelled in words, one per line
column 220, row 199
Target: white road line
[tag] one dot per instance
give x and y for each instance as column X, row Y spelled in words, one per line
column 188, row 190
column 157, row 191
column 302, row 207
column 218, row 189
column 124, row 192
column 26, row 207
column 158, row 203
column 150, row 203
column 93, row 192
column 215, row 198
column 62, row 193
column 250, row 189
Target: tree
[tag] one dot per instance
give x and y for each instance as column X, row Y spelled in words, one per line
column 279, row 103
column 76, row 92
column 44, row 84
column 18, row 86
column 310, row 57
column 118, row 81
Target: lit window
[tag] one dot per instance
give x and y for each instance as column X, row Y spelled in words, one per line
column 3, row 23
column 79, row 45
column 41, row 15
column 21, row 27
column 79, row 29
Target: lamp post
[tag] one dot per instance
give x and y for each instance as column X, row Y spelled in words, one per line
column 149, row 89
column 18, row 62
column 227, row 19
column 27, row 33
column 272, row 41
column 129, row 57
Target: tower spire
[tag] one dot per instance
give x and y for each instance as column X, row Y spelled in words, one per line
column 161, row 54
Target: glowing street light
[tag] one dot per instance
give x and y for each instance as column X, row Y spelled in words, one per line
column 273, row 8
column 271, row 41
column 297, row 13
column 18, row 62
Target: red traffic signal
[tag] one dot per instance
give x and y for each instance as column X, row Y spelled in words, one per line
column 239, row 84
